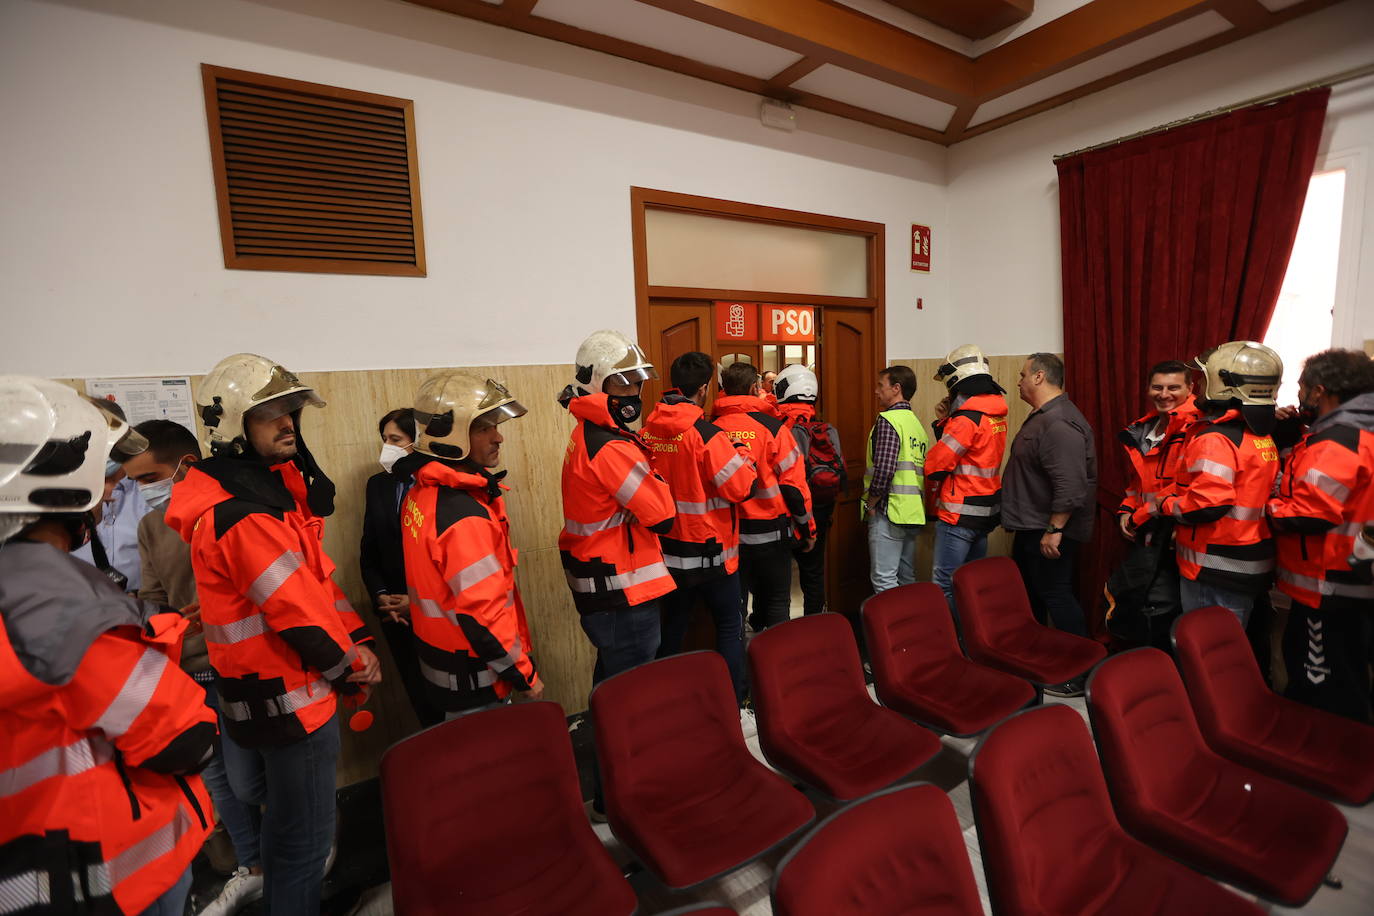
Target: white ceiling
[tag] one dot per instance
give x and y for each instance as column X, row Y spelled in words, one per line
column 875, row 95
column 1176, row 36
column 633, row 21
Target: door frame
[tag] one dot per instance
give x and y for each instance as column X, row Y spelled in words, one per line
column 644, row 199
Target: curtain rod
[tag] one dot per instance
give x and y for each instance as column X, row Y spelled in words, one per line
column 1347, row 76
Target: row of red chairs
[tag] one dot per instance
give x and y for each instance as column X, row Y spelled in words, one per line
column 484, row 813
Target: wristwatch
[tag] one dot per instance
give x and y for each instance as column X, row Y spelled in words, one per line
column 1050, row 529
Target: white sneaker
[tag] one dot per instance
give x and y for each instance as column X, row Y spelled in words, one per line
column 242, row 888
column 748, row 722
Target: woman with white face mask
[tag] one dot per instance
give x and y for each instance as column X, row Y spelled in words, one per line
column 381, row 560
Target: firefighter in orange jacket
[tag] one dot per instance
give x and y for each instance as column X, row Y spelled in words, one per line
column 100, row 810
column 779, row 513
column 282, row 638
column 614, row 507
column 963, row 467
column 470, row 631
column 1154, row 444
column 707, row 474
column 1222, row 542
column 1326, row 496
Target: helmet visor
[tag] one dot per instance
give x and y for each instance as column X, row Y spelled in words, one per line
column 632, row 376
column 500, row 414
column 284, row 404
column 945, row 370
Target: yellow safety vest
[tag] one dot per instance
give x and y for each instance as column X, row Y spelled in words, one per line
column 905, row 502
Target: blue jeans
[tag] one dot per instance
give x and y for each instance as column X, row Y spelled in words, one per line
column 623, row 639
column 955, row 546
column 240, row 821
column 721, row 597
column 891, row 551
column 296, row 784
column 173, row 900
column 1195, row 594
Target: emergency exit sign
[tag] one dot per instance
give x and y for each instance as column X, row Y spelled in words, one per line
column 920, row 247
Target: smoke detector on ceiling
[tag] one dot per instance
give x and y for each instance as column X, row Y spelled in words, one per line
column 777, row 114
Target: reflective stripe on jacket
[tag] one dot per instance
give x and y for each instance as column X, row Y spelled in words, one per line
column 906, row 493
column 780, row 508
column 964, row 465
column 611, row 500
column 1217, row 501
column 471, row 635
column 280, row 633
column 707, row 474
column 1326, row 496
column 102, row 729
column 1153, row 469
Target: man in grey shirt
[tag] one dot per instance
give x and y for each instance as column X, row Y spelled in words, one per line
column 1049, row 494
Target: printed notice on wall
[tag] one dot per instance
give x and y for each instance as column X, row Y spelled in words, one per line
column 148, row 398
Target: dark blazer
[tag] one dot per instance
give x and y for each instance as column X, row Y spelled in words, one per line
column 382, row 561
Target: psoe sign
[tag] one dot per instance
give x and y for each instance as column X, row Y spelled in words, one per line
column 789, row 323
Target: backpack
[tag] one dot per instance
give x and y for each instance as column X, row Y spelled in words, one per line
column 825, row 473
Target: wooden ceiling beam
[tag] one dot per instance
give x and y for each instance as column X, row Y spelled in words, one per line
column 839, row 35
column 971, row 18
column 1245, row 14
column 779, row 84
column 1075, row 37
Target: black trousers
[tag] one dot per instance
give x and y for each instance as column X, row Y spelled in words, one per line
column 766, row 573
column 811, row 563
column 1049, row 583
column 400, row 639
column 1328, row 654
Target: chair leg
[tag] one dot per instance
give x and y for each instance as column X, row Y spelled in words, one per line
column 1333, row 882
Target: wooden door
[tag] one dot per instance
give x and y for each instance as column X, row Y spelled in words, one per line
column 848, row 369
column 676, row 326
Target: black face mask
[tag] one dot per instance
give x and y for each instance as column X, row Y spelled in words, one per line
column 625, row 409
column 1306, row 413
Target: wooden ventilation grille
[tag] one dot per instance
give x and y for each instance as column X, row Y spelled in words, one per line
column 313, row 178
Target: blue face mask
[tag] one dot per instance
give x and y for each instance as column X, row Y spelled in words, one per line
column 157, row 493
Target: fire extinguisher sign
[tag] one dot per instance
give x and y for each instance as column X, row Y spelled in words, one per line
column 920, row 247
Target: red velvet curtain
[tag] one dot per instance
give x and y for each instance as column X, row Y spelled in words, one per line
column 1171, row 244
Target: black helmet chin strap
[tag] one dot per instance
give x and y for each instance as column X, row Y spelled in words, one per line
column 319, row 489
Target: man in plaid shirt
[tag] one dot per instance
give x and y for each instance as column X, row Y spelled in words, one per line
column 893, row 498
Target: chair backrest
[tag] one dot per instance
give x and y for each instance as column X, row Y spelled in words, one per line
column 459, row 797
column 909, row 630
column 898, row 850
column 801, row 670
column 1042, row 808
column 1152, row 752
column 1228, row 695
column 663, row 723
column 992, row 601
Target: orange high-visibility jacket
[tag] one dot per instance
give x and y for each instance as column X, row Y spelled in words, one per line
column 707, row 474
column 470, row 631
column 281, row 635
column 964, row 466
column 1153, row 468
column 102, row 731
column 782, row 500
column 1326, row 496
column 614, row 508
column 1217, row 500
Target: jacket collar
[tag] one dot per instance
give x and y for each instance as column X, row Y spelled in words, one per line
column 457, row 475
column 743, row 403
column 1357, row 412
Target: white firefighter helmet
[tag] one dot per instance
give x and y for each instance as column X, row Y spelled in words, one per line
column 447, row 405
column 796, row 383
column 961, row 363
column 53, row 447
column 1243, row 370
column 242, row 383
column 610, row 356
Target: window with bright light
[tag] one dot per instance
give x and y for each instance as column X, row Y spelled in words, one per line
column 1302, row 320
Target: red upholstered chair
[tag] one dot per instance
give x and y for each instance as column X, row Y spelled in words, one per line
column 919, row 670
column 897, row 851
column 701, row 909
column 484, row 815
column 683, row 793
column 817, row 722
column 1246, row 721
column 1174, row 792
column 1050, row 841
column 1000, row 630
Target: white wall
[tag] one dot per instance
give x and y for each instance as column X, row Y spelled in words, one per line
column 110, row 251
column 1004, row 194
